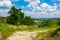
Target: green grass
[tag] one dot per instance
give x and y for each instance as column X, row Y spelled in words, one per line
column 6, row 30
column 33, row 28
column 46, row 36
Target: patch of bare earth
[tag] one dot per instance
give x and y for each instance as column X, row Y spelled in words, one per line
column 24, row 35
column 1, row 36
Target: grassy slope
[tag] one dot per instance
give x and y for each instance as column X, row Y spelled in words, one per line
column 7, row 30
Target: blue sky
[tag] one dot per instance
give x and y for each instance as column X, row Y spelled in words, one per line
column 33, row 8
column 23, row 3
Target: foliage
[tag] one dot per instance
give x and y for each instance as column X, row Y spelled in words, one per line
column 28, row 21
column 46, row 36
column 58, row 21
column 49, row 23
column 46, row 23
column 2, row 19
column 17, row 17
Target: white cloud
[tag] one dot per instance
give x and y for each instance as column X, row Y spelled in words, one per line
column 4, row 12
column 5, row 3
column 5, row 6
column 28, row 0
column 42, row 11
column 47, row 7
column 33, row 3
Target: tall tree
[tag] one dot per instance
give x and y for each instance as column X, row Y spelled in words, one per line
column 15, row 15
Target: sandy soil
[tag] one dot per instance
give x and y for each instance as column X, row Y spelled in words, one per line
column 24, row 35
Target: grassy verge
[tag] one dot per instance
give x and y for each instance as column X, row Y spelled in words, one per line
column 46, row 36
column 33, row 28
column 6, row 30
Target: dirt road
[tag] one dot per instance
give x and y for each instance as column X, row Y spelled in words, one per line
column 24, row 35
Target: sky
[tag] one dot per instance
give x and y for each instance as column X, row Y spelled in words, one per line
column 33, row 8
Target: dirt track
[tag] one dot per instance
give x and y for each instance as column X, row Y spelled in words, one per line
column 24, row 35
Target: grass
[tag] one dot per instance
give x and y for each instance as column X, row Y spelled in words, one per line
column 34, row 28
column 46, row 36
column 6, row 30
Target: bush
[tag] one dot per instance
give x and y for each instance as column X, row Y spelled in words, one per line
column 28, row 21
column 47, row 23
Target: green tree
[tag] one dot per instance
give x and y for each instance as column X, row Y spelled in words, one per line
column 47, row 22
column 15, row 16
column 58, row 21
column 28, row 21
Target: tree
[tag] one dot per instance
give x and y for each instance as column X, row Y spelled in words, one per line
column 47, row 22
column 58, row 21
column 28, row 21
column 15, row 16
